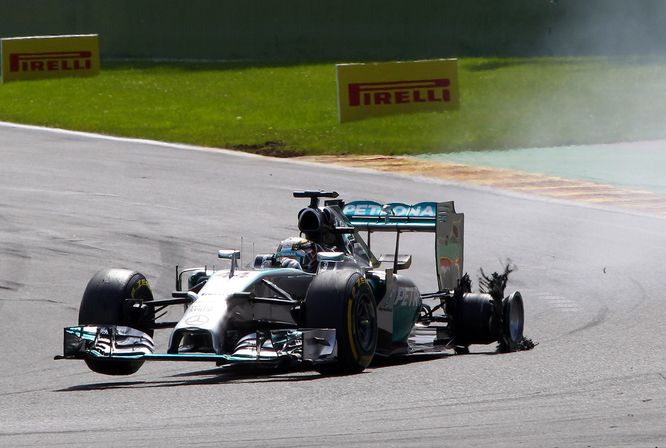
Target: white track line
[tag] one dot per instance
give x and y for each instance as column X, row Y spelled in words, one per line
column 112, row 138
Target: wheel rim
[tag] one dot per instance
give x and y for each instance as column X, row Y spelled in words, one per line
column 365, row 323
column 515, row 317
column 145, row 319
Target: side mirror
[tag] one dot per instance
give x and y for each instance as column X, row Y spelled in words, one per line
column 233, row 255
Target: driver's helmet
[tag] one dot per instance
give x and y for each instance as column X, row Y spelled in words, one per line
column 299, row 249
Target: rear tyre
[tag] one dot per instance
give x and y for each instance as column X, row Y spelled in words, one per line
column 473, row 320
column 106, row 302
column 513, row 322
column 343, row 300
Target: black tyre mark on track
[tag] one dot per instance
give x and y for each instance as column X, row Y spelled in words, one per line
column 642, row 293
column 8, row 285
column 597, row 320
column 49, row 301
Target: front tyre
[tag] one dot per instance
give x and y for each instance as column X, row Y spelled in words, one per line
column 343, row 300
column 108, row 300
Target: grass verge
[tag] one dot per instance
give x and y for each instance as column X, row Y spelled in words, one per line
column 292, row 109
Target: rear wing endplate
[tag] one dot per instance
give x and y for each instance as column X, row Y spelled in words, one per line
column 449, row 247
column 437, row 217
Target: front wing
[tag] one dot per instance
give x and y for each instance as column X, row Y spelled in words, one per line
column 313, row 345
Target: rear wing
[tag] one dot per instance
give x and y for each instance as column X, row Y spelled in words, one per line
column 373, row 216
column 437, row 217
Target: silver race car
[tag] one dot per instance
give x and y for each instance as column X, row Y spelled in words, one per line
column 322, row 299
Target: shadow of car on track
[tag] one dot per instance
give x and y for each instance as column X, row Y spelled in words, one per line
column 202, row 377
column 235, row 374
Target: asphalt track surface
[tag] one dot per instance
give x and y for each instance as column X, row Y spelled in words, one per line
column 593, row 282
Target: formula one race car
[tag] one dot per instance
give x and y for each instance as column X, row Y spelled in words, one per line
column 324, row 300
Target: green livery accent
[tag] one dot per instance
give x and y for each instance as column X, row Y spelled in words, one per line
column 187, row 357
column 421, row 216
column 403, row 321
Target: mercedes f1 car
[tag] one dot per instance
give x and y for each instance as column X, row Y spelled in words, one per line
column 336, row 316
